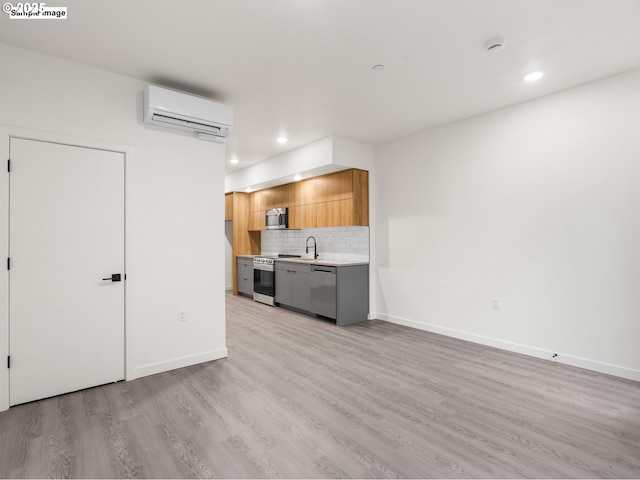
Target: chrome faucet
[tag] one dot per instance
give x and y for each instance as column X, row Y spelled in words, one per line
column 315, row 250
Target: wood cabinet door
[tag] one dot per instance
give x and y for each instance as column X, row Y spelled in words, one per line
column 335, row 186
column 280, row 197
column 360, row 198
column 338, row 213
column 257, row 201
column 303, row 192
column 303, row 216
column 228, row 206
column 256, row 221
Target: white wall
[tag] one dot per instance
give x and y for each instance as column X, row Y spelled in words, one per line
column 174, row 210
column 537, row 205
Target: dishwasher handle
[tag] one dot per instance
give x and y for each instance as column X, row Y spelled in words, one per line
column 320, row 269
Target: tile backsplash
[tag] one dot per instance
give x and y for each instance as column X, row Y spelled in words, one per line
column 334, row 243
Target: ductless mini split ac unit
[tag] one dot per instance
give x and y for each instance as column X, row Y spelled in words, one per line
column 206, row 119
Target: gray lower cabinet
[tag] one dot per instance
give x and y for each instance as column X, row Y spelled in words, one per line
column 293, row 286
column 341, row 293
column 337, row 292
column 245, row 276
column 301, row 289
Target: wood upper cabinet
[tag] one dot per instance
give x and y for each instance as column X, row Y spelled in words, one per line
column 336, row 199
column 347, row 208
column 360, row 198
column 268, row 198
column 334, row 186
column 257, row 220
column 303, row 192
column 338, row 213
column 303, row 216
column 275, row 197
column 228, row 206
column 257, row 201
column 281, row 196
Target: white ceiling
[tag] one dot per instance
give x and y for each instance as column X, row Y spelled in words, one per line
column 303, row 68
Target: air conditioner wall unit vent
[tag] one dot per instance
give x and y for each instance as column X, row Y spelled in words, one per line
column 180, row 111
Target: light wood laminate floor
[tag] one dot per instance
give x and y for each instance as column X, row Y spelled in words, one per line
column 301, row 398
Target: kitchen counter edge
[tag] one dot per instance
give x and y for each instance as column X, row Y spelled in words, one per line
column 328, row 263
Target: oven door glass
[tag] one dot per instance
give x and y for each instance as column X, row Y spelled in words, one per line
column 264, row 282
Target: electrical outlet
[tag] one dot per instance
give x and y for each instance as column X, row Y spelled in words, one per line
column 495, row 303
column 182, row 315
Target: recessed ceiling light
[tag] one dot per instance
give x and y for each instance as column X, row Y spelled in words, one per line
column 533, row 76
column 297, row 177
column 378, row 68
column 248, row 190
column 234, row 161
column 282, row 140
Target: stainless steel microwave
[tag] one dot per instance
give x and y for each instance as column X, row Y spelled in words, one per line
column 277, row 219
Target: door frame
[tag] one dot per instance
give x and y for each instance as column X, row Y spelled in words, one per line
column 6, row 133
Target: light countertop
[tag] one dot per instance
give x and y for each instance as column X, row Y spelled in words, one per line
column 320, row 261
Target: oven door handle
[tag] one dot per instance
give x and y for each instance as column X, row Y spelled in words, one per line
column 264, row 268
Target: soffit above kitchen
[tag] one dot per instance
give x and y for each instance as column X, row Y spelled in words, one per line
column 304, row 69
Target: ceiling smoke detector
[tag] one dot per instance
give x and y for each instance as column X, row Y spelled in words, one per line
column 494, row 44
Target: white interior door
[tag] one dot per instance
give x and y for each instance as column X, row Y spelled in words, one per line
column 66, row 235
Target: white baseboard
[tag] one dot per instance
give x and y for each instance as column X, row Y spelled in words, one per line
column 153, row 368
column 566, row 359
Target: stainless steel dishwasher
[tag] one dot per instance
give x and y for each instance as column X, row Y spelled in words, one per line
column 323, row 291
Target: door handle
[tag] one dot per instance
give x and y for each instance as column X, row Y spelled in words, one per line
column 115, row 277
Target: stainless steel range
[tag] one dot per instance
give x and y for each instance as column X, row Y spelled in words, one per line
column 264, row 280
